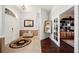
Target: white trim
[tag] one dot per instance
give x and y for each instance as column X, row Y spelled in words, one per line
column 76, row 29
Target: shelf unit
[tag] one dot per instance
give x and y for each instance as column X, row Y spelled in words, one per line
column 67, row 24
column 67, row 28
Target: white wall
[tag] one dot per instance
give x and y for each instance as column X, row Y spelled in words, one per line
column 44, row 17
column 31, row 14
column 37, row 14
column 55, row 12
column 14, row 23
column 0, row 20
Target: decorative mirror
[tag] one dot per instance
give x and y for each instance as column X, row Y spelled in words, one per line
column 48, row 26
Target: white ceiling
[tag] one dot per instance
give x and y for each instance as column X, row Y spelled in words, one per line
column 46, row 7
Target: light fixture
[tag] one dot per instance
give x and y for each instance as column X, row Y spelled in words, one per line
column 23, row 7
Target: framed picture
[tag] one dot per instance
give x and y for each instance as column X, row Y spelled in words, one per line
column 48, row 26
column 28, row 23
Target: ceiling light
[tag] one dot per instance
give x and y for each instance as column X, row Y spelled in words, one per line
column 23, row 7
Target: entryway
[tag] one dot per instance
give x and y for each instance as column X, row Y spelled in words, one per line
column 67, row 30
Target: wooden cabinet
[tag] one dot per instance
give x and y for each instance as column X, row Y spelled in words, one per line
column 2, row 44
column 67, row 35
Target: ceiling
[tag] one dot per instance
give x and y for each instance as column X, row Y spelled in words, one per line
column 46, row 7
column 68, row 13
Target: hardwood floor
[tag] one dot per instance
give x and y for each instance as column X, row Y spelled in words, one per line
column 48, row 46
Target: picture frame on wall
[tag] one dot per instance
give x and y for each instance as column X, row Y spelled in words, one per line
column 48, row 26
column 28, row 23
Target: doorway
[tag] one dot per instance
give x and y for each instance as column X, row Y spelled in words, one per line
column 67, row 31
